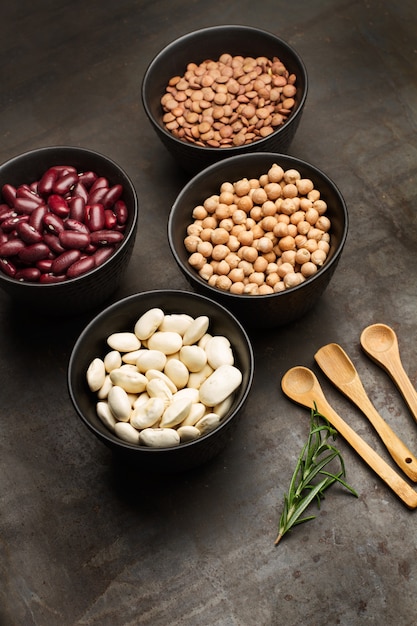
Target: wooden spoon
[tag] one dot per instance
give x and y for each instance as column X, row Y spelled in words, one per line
column 381, row 345
column 338, row 367
column 301, row 385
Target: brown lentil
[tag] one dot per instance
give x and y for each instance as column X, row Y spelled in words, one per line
column 229, row 102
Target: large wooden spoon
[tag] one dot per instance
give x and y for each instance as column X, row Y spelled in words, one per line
column 381, row 344
column 301, row 385
column 338, row 367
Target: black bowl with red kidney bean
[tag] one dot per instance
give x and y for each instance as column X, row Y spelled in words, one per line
column 68, row 221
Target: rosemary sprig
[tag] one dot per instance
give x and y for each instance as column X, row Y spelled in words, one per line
column 310, row 479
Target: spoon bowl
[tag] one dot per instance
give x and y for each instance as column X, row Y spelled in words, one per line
column 301, row 385
column 380, row 343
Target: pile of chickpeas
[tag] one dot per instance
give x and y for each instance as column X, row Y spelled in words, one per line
column 229, row 102
column 260, row 236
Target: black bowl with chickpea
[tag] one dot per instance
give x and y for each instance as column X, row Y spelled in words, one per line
column 261, row 233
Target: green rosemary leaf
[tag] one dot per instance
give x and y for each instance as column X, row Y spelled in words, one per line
column 310, row 479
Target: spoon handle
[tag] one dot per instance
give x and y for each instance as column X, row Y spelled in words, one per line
column 390, row 477
column 354, row 390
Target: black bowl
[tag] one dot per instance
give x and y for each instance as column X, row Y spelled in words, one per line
column 259, row 311
column 122, row 315
column 90, row 289
column 211, row 43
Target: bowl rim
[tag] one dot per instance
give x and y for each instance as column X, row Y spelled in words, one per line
column 112, row 439
column 225, row 27
column 29, row 286
column 219, row 165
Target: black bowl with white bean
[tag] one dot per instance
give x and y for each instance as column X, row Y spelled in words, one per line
column 161, row 377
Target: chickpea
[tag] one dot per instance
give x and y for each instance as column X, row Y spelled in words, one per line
column 320, row 206
column 223, row 268
column 287, row 243
column 315, row 233
column 292, row 230
column 246, row 267
column 259, row 196
column 304, row 186
column 311, row 245
column 272, row 279
column 311, row 216
column 264, row 245
column 224, row 283
column 288, row 256
column 291, row 176
column 237, row 288
column 242, row 187
column 280, row 229
column 199, row 212
column 265, row 289
column 269, row 208
column 260, row 264
column 227, row 197
column 191, row 243
column 279, row 286
column 275, row 174
column 233, row 243
column 323, row 223
column 248, row 253
column 292, row 279
column 257, row 277
column 288, row 206
column 194, row 229
column 289, row 190
column 197, row 260
column 236, row 275
column 256, row 213
column 206, row 271
column 219, row 236
column 324, row 245
column 245, row 238
column 220, row 251
column 273, row 190
column 239, row 217
column 222, row 212
column 318, row 257
column 308, row 269
column 209, row 222
column 302, row 256
column 205, row 248
column 233, row 260
column 205, row 234
column 284, row 269
column 245, row 203
column 210, row 204
column 226, row 187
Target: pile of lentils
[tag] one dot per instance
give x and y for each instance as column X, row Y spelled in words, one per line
column 260, row 236
column 230, row 102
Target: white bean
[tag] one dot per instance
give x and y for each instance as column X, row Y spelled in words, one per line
column 196, row 330
column 96, row 374
column 131, row 357
column 219, row 351
column 157, row 388
column 175, row 413
column 147, row 324
column 166, row 342
column 176, row 322
column 222, row 408
column 123, row 342
column 151, row 374
column 196, row 379
column 147, row 414
column 105, row 414
column 188, row 433
column 119, row 403
column 195, row 414
column 220, row 384
column 208, row 422
column 159, row 437
column 151, row 359
column 112, row 360
column 125, row 431
column 187, row 392
column 131, row 381
column 177, row 372
column 193, row 357
column 103, row 392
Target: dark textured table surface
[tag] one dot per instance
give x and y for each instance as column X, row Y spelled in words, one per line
column 85, row 542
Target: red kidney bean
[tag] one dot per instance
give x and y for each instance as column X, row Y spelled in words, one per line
column 9, row 225
column 45, row 265
column 25, row 205
column 48, row 279
column 24, row 191
column 110, row 219
column 34, row 252
column 85, row 264
column 3, row 237
column 58, row 205
column 101, row 181
column 80, row 227
column 28, row 274
column 96, row 195
column 36, row 217
column 46, row 182
column 64, row 183
column 64, row 260
column 95, row 216
column 7, row 267
column 103, row 254
column 105, row 237
column 81, row 191
column 73, row 239
column 53, row 223
column 112, row 196
column 120, row 210
column 28, row 233
column 12, row 247
column 87, row 178
column 53, row 243
column 62, row 170
column 9, row 194
column 77, row 208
